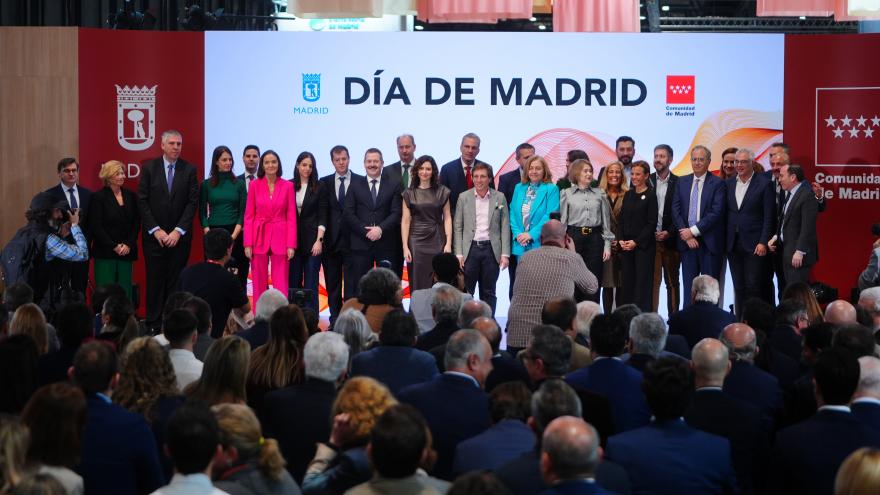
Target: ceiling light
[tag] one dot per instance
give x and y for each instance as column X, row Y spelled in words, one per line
column 542, row 27
column 533, row 19
column 419, row 27
column 665, row 8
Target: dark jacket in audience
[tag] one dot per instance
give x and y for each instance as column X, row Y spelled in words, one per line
column 437, row 336
column 867, row 411
column 699, row 321
column 500, row 444
column 522, row 476
column 749, row 383
column 386, row 362
column 257, row 335
column 621, row 385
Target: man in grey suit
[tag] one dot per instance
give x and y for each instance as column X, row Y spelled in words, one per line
column 797, row 226
column 482, row 234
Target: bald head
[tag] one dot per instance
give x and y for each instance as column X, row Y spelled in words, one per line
column 840, row 312
column 489, row 329
column 740, row 341
column 710, row 360
column 569, row 450
column 869, row 378
column 553, row 231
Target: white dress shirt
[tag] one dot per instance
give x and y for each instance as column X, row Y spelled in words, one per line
column 482, row 209
column 187, row 368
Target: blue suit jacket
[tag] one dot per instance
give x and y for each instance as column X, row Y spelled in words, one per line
column 576, row 487
column 546, row 202
column 712, row 205
column 754, row 385
column 500, row 444
column 621, row 385
column 385, row 362
column 868, row 413
column 671, row 457
column 360, row 212
column 754, row 220
column 456, row 409
column 85, row 198
column 808, row 454
column 119, row 454
column 507, row 183
column 452, row 176
column 698, row 321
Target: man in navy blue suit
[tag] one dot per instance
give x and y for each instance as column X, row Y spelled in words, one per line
column 456, row 175
column 669, row 456
column 702, row 318
column 866, row 400
column 402, row 170
column 76, row 197
column 372, row 212
column 570, row 455
column 454, row 403
column 507, row 182
column 808, row 454
column 698, row 215
column 745, row 380
column 750, row 222
column 119, row 452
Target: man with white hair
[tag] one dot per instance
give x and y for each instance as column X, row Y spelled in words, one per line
column 444, row 306
column 866, row 401
column 586, row 311
column 268, row 302
column 869, row 300
column 647, row 339
column 296, row 416
column 703, row 318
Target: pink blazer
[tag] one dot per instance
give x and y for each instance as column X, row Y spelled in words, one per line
column 270, row 222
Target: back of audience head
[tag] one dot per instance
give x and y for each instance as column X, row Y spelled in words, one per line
column 471, row 310
column 101, row 293
column 192, row 438
column 28, row 320
column 859, row 474
column 549, row 354
column 817, row 337
column 202, row 311
column 217, row 244
column 569, row 450
column 792, row 312
column 710, row 361
column 146, row 375
column 869, row 378
column 399, row 328
column 553, row 233
column 310, row 316
column 869, row 300
column 268, row 303
column 56, row 417
column 758, row 314
column 586, row 311
column 117, row 310
column 705, row 289
column 554, row 398
column 352, row 325
column 363, row 399
column 801, row 292
column 836, row 376
column 741, row 342
column 241, row 440
column 647, row 334
column 478, row 483
column 840, row 312
column 16, row 295
column 510, row 401
column 560, row 312
column 326, row 357
column 398, row 442
column 379, row 286
column 278, row 363
column 469, row 352
column 668, row 386
column 75, row 323
column 447, row 269
column 489, row 328
column 627, row 312
column 39, row 484
column 445, row 304
column 180, row 327
column 19, row 372
column 175, row 300
column 608, row 334
column 95, row 368
column 14, row 439
column 855, row 338
column 224, row 375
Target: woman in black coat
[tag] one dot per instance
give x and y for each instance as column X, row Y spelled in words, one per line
column 311, row 221
column 114, row 222
column 638, row 221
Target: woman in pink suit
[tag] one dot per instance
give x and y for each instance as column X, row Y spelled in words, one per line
column 270, row 225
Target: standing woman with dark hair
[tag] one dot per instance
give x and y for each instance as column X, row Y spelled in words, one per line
column 638, row 219
column 311, row 222
column 270, row 226
column 425, row 208
column 222, row 203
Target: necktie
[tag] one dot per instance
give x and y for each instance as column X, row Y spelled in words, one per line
column 373, row 191
column 467, row 176
column 341, row 192
column 247, row 184
column 694, row 203
column 405, row 176
column 170, row 178
column 73, row 203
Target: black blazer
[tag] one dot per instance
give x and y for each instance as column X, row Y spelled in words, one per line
column 85, row 199
column 314, row 213
column 667, row 224
column 798, row 225
column 360, row 213
column 507, row 183
column 638, row 218
column 452, row 176
column 753, row 220
column 337, row 234
column 113, row 224
column 167, row 211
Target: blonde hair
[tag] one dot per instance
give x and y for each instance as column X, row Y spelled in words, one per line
column 110, row 169
column 224, row 376
column 14, row 440
column 364, row 399
column 29, row 320
column 859, row 474
column 146, row 375
column 603, row 184
column 548, row 176
column 240, row 428
column 576, row 169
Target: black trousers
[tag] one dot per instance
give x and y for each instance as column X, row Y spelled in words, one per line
column 163, row 267
column 481, row 267
column 748, row 273
column 511, row 272
column 637, row 277
column 333, row 262
column 589, row 246
column 359, row 262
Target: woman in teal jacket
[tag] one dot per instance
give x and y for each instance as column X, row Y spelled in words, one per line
column 534, row 199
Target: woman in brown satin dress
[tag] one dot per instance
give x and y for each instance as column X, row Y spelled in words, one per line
column 614, row 184
column 425, row 210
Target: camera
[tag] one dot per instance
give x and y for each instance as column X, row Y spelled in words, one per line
column 875, row 229
column 300, row 297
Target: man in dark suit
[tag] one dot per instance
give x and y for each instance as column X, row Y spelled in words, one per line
column 866, row 400
column 698, row 215
column 702, row 318
column 745, row 380
column 251, row 159
column 456, row 175
column 796, row 238
column 168, row 196
column 714, row 411
column 372, row 212
column 298, row 416
column 790, row 319
column 444, row 306
column 394, row 353
column 119, row 452
column 335, row 259
column 76, row 197
column 454, row 403
column 610, row 377
column 647, row 338
column 505, row 368
column 667, row 258
column 507, row 182
column 569, row 457
column 807, row 455
column 669, row 456
column 750, row 222
column 402, row 169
